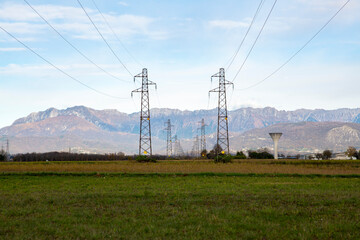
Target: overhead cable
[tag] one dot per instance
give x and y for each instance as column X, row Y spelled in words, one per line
column 252, row 47
column 116, row 36
column 75, row 48
column 231, row 60
column 59, row 69
column 297, row 52
column 97, row 29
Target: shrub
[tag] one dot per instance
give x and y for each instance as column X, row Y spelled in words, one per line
column 260, row 155
column 223, row 158
column 143, row 158
column 240, row 155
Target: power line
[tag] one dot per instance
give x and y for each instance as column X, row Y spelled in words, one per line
column 116, row 36
column 104, row 39
column 76, row 49
column 297, row 52
column 252, row 47
column 62, row 71
column 247, row 32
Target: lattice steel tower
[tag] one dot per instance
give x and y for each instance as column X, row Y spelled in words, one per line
column 145, row 129
column 222, row 128
column 178, row 151
column 7, row 146
column 196, row 149
column 202, row 137
column 168, row 138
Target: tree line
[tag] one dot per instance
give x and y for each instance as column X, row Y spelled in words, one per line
column 217, row 154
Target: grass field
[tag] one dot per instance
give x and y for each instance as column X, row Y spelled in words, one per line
column 69, row 201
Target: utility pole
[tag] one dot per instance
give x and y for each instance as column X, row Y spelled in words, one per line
column 222, row 128
column 202, row 136
column 145, row 129
column 168, row 138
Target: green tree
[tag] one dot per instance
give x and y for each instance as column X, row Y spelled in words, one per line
column 143, row 158
column 319, row 156
column 327, row 154
column 240, row 155
column 260, row 155
column 214, row 152
column 351, row 152
column 2, row 156
column 223, row 158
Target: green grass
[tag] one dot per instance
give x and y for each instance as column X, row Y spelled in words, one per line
column 178, row 206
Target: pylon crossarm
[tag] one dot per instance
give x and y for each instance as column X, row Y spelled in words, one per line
column 227, row 82
column 139, row 90
column 151, row 83
column 138, row 75
column 214, row 90
column 216, row 75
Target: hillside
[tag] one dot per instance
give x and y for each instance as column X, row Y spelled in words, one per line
column 93, row 130
column 302, row 137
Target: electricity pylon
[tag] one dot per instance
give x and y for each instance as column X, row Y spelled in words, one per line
column 222, row 128
column 196, row 149
column 178, row 149
column 7, row 149
column 145, row 129
column 7, row 146
column 168, row 138
column 202, row 136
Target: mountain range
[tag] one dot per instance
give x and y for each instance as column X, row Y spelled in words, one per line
column 85, row 129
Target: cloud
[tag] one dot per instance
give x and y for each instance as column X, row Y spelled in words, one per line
column 21, row 19
column 22, row 27
column 123, row 4
column 227, row 24
column 12, row 49
column 73, row 69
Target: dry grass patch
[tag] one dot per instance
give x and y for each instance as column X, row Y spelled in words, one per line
column 241, row 166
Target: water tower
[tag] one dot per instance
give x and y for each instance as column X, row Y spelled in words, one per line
column 275, row 137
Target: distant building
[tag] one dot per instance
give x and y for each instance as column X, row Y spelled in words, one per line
column 340, row 156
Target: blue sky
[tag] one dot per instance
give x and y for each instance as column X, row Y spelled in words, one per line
column 182, row 43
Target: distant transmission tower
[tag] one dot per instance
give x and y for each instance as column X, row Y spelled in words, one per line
column 196, row 149
column 202, row 138
column 222, row 128
column 145, row 130
column 168, row 138
column 7, row 147
column 178, row 149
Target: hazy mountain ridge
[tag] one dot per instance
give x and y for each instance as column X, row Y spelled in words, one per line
column 111, row 130
column 303, row 137
column 185, row 122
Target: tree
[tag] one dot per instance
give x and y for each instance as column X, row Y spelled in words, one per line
column 351, row 152
column 223, row 158
column 240, row 155
column 319, row 156
column 215, row 151
column 143, row 158
column 260, row 155
column 2, row 156
column 327, row 154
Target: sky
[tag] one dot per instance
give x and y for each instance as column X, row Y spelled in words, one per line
column 181, row 43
